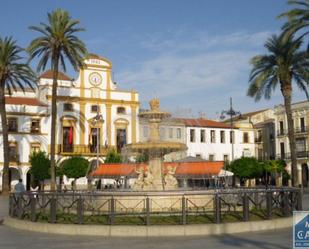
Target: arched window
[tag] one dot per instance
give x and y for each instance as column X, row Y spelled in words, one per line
column 121, row 110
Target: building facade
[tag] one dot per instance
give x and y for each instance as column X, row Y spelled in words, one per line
column 262, row 123
column 300, row 114
column 216, row 141
column 93, row 115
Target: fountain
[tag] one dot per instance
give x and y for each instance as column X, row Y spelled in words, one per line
column 153, row 176
column 156, row 175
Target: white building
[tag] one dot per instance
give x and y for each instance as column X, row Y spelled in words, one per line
column 216, row 141
column 79, row 104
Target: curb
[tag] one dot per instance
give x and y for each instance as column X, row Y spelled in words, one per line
column 149, row 231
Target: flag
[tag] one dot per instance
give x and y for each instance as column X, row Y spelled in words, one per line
column 71, row 135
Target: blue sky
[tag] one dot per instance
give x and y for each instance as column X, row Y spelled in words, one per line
column 192, row 54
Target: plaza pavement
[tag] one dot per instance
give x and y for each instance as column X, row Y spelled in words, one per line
column 12, row 238
column 4, row 204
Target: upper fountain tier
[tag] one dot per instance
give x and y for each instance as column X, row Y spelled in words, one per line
column 154, row 112
column 155, row 146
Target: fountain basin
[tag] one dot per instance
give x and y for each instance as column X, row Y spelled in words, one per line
column 160, row 147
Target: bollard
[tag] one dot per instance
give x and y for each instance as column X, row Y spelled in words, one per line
column 147, row 211
column 11, row 208
column 19, row 207
column 299, row 206
column 245, row 202
column 112, row 211
column 183, row 207
column 285, row 203
column 269, row 205
column 80, row 210
column 217, row 207
column 33, row 208
column 53, row 210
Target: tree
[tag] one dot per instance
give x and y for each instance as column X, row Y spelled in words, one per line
column 14, row 74
column 142, row 158
column 246, row 168
column 283, row 64
column 113, row 157
column 57, row 43
column 75, row 167
column 40, row 166
column 298, row 19
column 274, row 166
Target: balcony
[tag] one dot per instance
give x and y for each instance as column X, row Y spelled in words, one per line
column 35, row 129
column 13, row 157
column 281, row 133
column 297, row 131
column 301, row 130
column 83, row 150
column 299, row 155
column 258, row 140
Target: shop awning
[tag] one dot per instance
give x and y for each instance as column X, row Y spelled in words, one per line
column 183, row 169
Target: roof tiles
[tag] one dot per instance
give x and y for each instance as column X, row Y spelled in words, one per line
column 49, row 75
column 23, row 101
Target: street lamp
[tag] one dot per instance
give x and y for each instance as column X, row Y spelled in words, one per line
column 231, row 113
column 95, row 122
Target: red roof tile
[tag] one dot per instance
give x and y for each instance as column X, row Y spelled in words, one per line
column 23, row 101
column 201, row 122
column 49, row 75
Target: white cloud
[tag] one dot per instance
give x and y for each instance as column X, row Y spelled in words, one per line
column 199, row 72
column 202, row 63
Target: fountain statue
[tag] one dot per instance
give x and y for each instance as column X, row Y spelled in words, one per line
column 154, row 177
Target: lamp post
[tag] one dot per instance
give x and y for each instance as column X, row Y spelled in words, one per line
column 96, row 121
column 231, row 113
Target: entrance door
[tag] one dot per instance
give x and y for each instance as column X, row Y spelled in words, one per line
column 304, row 173
column 67, row 139
column 95, row 140
column 282, row 150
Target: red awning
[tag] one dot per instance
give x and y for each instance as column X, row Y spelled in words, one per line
column 182, row 169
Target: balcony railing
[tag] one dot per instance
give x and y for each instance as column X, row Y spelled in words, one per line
column 297, row 131
column 299, row 154
column 81, row 149
column 13, row 157
column 302, row 129
column 258, row 139
column 281, row 132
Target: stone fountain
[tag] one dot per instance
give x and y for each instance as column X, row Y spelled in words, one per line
column 154, row 177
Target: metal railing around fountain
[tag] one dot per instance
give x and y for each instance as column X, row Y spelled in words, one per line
column 156, row 208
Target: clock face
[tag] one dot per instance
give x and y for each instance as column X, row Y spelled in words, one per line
column 95, row 79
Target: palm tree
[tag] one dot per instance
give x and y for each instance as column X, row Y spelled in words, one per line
column 57, row 43
column 298, row 18
column 13, row 75
column 283, row 64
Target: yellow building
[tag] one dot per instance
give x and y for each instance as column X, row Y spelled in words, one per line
column 93, row 115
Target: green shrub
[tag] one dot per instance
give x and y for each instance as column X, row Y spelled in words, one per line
column 40, row 166
column 113, row 157
column 75, row 167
